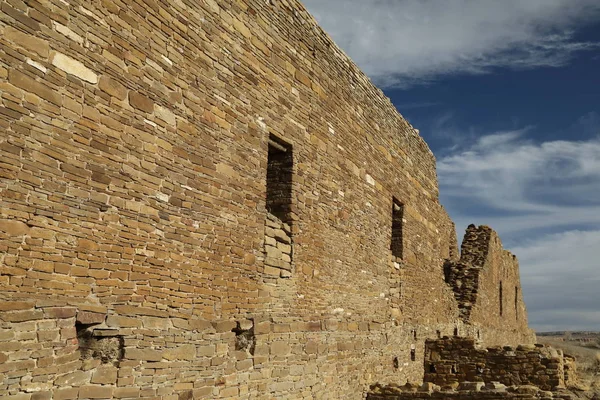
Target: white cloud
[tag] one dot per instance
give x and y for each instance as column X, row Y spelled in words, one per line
column 523, row 185
column 403, row 42
column 544, row 200
column 561, row 280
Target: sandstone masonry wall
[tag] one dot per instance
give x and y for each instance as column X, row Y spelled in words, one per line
column 451, row 361
column 139, row 254
column 487, row 288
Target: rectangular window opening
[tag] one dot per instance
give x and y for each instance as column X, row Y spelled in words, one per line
column 279, row 179
column 517, row 303
column 397, row 215
column 501, row 308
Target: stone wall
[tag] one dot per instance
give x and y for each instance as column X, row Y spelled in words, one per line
column 139, row 254
column 451, row 361
column 466, row 391
column 487, row 288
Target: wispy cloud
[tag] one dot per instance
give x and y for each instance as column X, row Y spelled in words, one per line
column 405, row 42
column 543, row 199
column 552, row 183
column 561, row 280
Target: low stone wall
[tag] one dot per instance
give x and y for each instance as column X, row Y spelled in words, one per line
column 450, row 361
column 466, row 391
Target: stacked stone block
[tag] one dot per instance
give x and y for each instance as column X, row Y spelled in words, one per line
column 278, row 247
column 134, row 154
column 485, row 282
column 466, row 391
column 452, row 361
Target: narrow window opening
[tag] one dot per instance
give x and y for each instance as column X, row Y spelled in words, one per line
column 447, row 272
column 501, row 305
column 413, row 355
column 280, row 164
column 414, row 333
column 397, row 215
column 439, row 334
column 456, row 331
column 432, row 368
column 396, row 363
column 453, row 369
column 517, row 303
column 99, row 344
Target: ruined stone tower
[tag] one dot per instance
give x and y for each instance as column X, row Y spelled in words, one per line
column 208, row 199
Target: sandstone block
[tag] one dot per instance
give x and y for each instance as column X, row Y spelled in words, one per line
column 165, row 114
column 200, row 325
column 112, row 87
column 184, row 352
column 105, row 375
column 143, row 354
column 280, row 348
column 224, row 326
column 76, row 378
column 66, row 393
column 125, row 392
column 60, row 312
column 13, row 227
column 273, row 271
column 74, row 67
column 27, row 41
column 281, row 236
column 15, row 305
column 206, row 351
column 21, row 316
column 156, row 323
column 273, row 252
column 96, row 392
column 87, row 317
column 285, row 248
column 141, row 102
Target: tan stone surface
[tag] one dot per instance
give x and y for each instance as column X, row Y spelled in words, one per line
column 134, row 154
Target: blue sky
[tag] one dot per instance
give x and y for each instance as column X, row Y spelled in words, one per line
column 507, row 95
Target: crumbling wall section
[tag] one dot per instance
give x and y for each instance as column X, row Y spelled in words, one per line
column 466, row 391
column 134, row 169
column 487, row 287
column 451, row 361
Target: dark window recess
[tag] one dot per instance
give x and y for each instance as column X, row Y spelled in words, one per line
column 439, row 334
column 432, row 368
column 517, row 303
column 447, row 271
column 501, row 300
column 397, row 215
column 414, row 332
column 280, row 167
column 454, row 370
column 244, row 338
column 396, row 363
column 455, row 331
column 413, row 355
column 107, row 348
